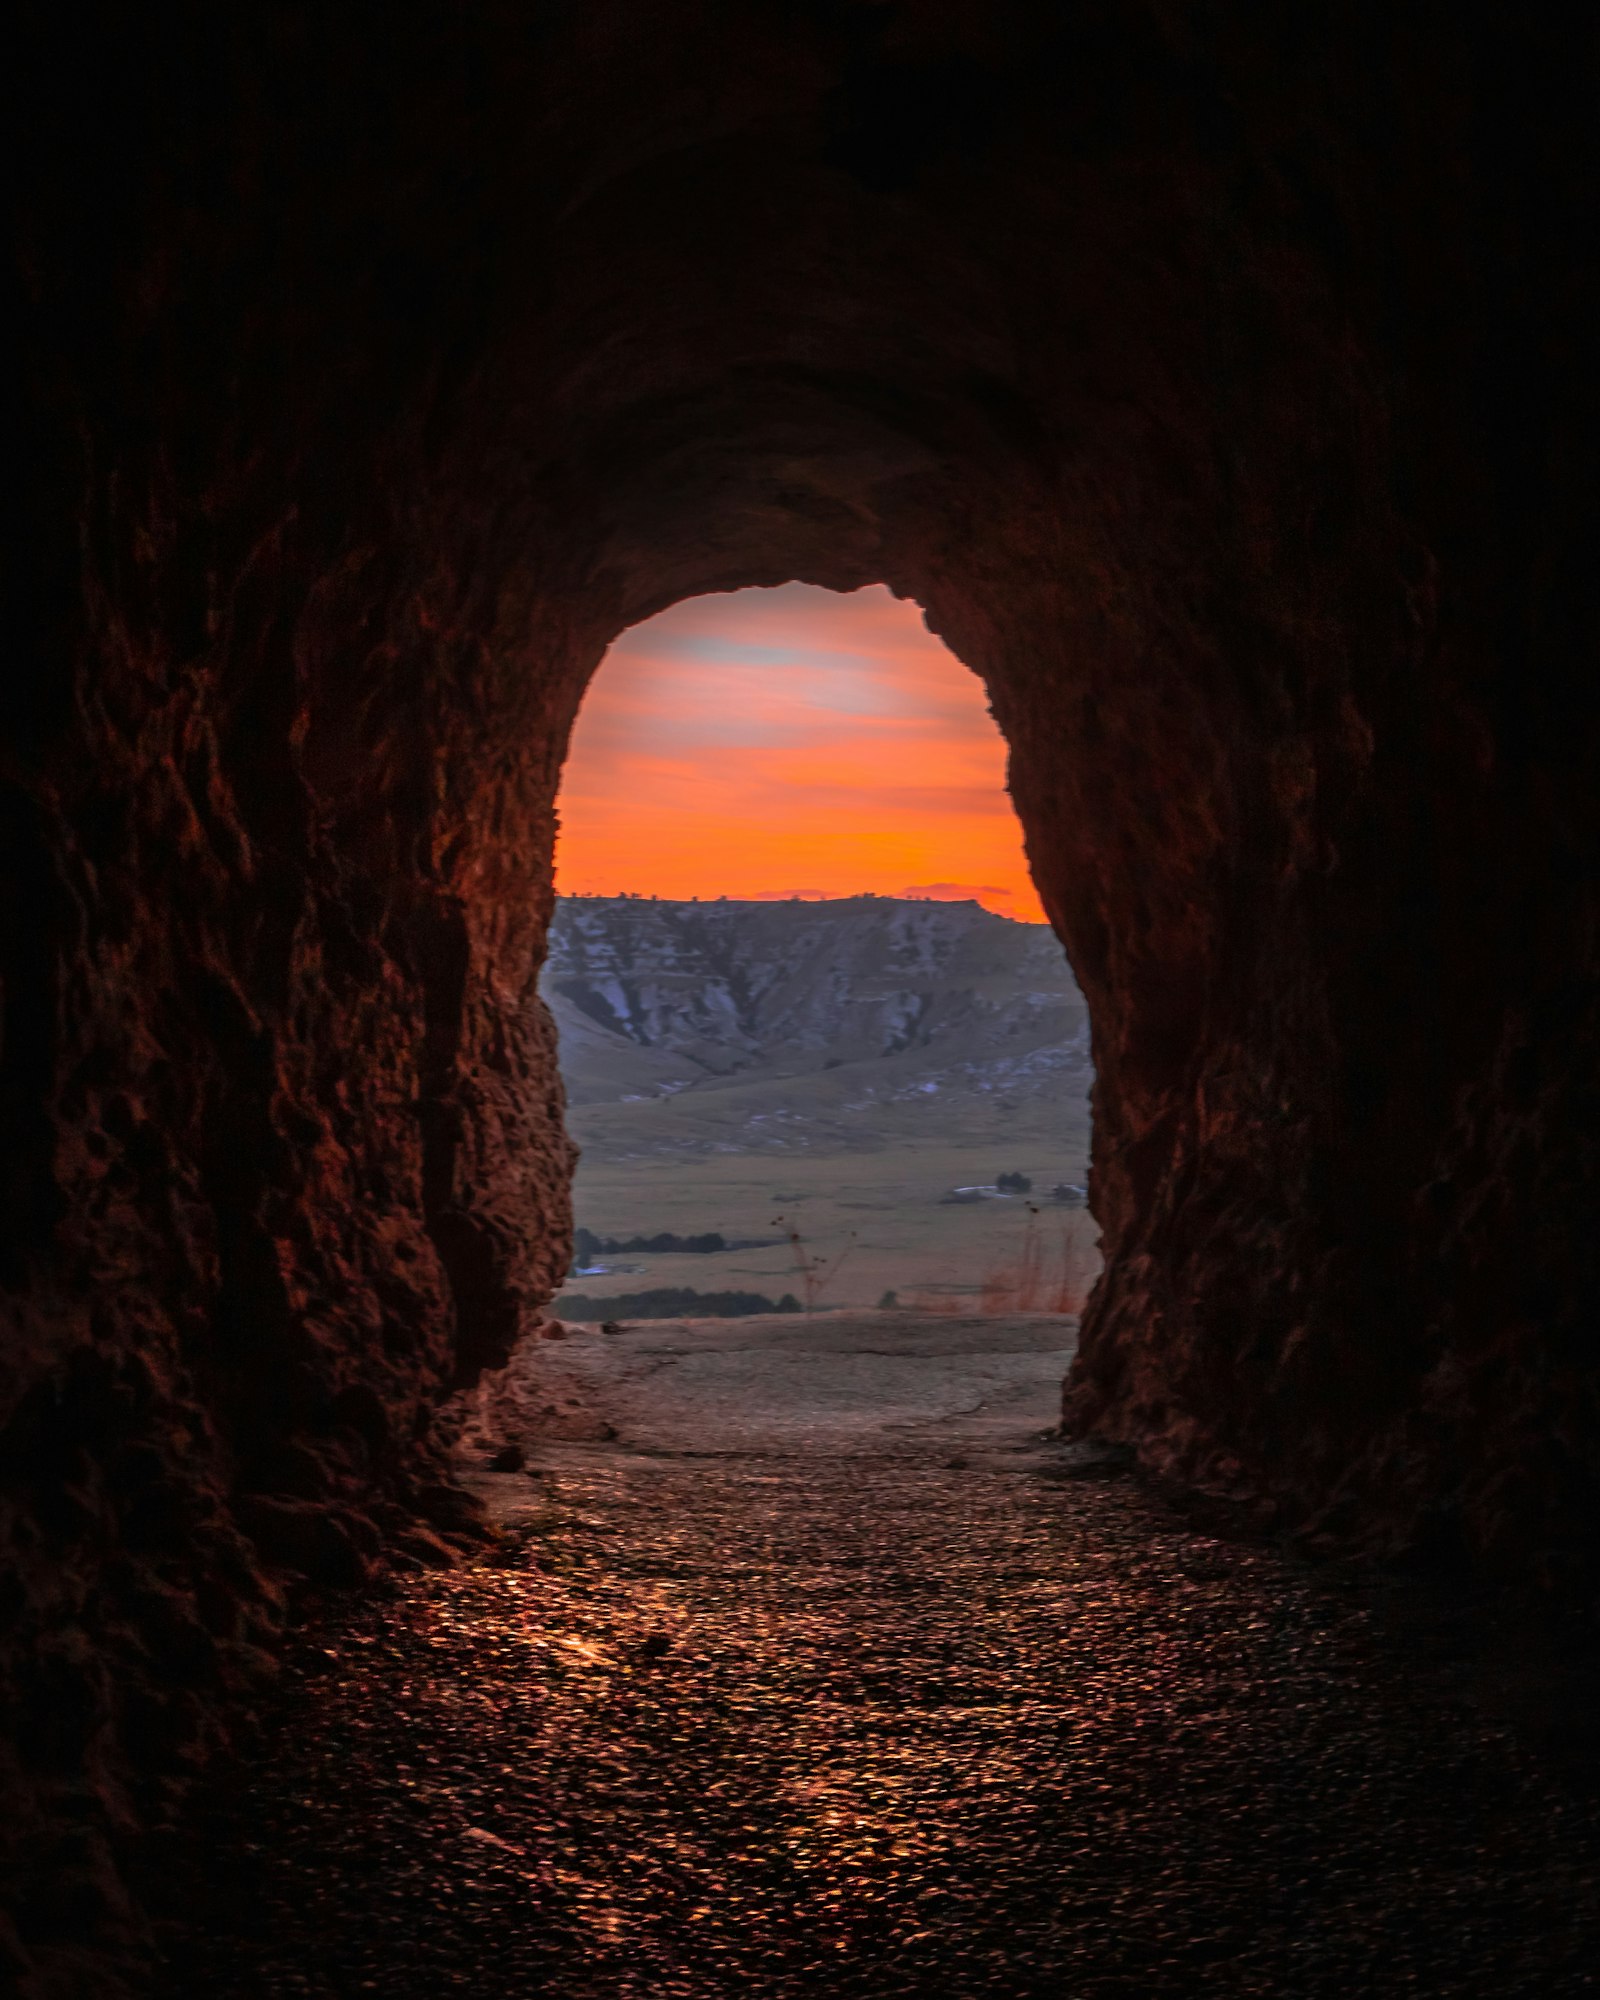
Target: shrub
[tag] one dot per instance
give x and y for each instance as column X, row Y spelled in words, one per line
column 671, row 1302
column 587, row 1246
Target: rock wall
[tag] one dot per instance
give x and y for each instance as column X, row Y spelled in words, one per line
column 1217, row 378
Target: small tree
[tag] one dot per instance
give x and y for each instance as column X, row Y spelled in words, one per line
column 812, row 1269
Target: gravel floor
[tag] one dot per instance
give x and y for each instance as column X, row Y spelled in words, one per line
column 877, row 1720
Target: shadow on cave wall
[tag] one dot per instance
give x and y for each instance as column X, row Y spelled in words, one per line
column 1222, row 388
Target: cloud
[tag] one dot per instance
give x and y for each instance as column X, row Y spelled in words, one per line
column 953, row 892
column 1003, row 898
column 741, row 742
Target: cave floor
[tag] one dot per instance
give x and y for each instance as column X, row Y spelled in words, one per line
column 827, row 1674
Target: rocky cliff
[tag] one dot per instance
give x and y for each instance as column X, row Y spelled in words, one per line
column 653, row 997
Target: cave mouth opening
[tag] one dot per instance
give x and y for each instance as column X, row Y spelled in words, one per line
column 798, row 954
column 1225, row 402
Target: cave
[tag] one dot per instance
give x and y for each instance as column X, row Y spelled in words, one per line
column 1218, row 379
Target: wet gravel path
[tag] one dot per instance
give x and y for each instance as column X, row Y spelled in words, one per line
column 849, row 1718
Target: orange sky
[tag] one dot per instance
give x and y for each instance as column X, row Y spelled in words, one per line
column 771, row 742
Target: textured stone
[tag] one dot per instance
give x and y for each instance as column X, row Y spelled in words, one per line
column 1218, row 379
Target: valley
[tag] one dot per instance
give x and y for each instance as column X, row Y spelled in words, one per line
column 815, row 1080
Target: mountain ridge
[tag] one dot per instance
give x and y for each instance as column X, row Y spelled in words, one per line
column 814, row 1016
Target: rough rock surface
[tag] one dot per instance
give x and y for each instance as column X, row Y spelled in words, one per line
column 1219, row 379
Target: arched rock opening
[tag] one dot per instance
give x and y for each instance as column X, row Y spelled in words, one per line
column 1219, row 385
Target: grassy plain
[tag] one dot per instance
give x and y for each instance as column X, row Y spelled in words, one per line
column 867, row 1222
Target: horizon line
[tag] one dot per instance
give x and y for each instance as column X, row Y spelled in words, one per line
column 766, row 898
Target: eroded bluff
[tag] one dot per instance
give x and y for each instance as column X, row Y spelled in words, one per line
column 1219, row 382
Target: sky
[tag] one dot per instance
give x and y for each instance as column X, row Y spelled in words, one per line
column 770, row 743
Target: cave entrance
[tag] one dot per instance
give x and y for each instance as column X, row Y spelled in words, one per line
column 821, row 1049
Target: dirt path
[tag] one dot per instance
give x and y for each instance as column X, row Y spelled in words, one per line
column 825, row 1676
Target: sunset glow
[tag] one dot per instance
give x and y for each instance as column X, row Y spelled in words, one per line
column 769, row 743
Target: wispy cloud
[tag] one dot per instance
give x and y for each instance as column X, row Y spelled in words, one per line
column 740, row 743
